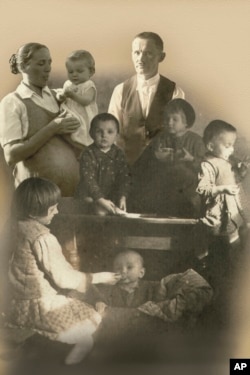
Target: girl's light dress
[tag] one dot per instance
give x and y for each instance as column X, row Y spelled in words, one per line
column 39, row 277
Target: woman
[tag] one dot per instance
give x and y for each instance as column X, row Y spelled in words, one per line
column 32, row 128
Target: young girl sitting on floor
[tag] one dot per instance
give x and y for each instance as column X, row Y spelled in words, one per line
column 39, row 275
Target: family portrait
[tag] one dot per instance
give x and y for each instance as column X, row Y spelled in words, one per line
column 125, row 187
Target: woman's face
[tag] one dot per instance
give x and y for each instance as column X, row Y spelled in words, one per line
column 38, row 68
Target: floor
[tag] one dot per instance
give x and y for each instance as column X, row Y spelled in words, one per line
column 200, row 350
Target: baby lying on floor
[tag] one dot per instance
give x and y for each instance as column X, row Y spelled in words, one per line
column 176, row 296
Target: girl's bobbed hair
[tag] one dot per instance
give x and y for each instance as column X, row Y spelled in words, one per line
column 18, row 60
column 33, row 197
column 180, row 105
column 102, row 117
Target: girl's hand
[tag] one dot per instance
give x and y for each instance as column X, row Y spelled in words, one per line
column 187, row 156
column 100, row 307
column 122, row 204
column 65, row 123
column 107, row 205
column 109, row 278
column 70, row 91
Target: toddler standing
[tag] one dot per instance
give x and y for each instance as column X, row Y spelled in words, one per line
column 78, row 96
column 39, row 275
column 222, row 212
column 104, row 174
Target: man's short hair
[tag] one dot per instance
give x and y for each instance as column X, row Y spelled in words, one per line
column 153, row 36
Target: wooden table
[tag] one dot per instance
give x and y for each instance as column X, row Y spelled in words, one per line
column 90, row 242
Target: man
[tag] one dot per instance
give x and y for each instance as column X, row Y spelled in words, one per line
column 138, row 103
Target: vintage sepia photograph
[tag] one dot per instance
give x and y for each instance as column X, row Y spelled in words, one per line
column 124, row 187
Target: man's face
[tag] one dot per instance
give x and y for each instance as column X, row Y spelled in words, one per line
column 146, row 57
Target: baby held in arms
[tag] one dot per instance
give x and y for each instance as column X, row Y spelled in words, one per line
column 78, row 95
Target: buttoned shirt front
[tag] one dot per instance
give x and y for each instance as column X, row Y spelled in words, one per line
column 146, row 90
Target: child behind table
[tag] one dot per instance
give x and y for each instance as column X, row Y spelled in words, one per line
column 78, row 95
column 104, row 174
column 39, row 275
column 222, row 213
column 171, row 163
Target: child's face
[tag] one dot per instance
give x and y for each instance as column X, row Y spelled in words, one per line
column 105, row 135
column 223, row 146
column 78, row 71
column 176, row 123
column 130, row 268
column 52, row 211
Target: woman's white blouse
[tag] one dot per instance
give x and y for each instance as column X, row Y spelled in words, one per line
column 14, row 122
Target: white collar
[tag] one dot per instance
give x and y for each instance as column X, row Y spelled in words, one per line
column 142, row 82
column 25, row 92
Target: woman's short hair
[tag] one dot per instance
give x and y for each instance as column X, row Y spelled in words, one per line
column 153, row 36
column 22, row 57
column 102, row 117
column 216, row 128
column 81, row 54
column 33, row 197
column 181, row 106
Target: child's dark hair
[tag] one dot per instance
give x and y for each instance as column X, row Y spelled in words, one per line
column 33, row 197
column 23, row 56
column 181, row 106
column 102, row 117
column 153, row 36
column 81, row 54
column 215, row 128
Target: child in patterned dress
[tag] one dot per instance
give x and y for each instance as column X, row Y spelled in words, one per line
column 104, row 174
column 39, row 275
column 78, row 96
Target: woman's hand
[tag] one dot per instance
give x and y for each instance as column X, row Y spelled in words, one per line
column 65, row 123
column 110, row 278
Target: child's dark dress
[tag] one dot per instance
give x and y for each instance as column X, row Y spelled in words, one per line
column 168, row 187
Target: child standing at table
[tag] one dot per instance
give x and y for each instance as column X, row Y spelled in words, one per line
column 104, row 174
column 169, row 165
column 222, row 212
column 78, row 96
column 39, row 275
